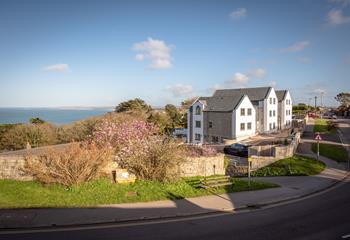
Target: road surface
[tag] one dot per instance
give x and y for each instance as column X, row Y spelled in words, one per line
column 326, row 216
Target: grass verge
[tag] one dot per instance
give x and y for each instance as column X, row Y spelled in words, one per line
column 293, row 166
column 324, row 126
column 334, row 152
column 19, row 194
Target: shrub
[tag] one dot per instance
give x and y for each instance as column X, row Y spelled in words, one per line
column 201, row 151
column 140, row 149
column 77, row 164
column 78, row 131
column 35, row 134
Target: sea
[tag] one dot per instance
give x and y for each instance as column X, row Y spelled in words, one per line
column 58, row 116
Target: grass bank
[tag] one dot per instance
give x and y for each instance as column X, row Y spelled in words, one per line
column 334, row 152
column 324, row 126
column 293, row 166
column 18, row 194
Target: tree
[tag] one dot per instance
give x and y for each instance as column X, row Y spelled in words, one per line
column 185, row 104
column 139, row 148
column 136, row 104
column 173, row 114
column 36, row 120
column 344, row 99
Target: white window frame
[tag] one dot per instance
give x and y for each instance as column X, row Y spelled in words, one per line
column 242, row 129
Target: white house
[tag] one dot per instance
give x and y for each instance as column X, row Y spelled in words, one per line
column 234, row 114
column 285, row 108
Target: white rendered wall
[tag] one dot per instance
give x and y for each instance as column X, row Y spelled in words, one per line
column 238, row 119
column 197, row 118
column 270, row 107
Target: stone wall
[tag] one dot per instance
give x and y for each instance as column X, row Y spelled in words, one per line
column 11, row 167
column 277, row 152
column 203, row 166
column 12, row 163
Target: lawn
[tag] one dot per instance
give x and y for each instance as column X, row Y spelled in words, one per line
column 293, row 166
column 335, row 152
column 323, row 126
column 18, row 194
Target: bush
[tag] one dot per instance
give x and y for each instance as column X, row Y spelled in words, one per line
column 140, row 149
column 35, row 134
column 77, row 164
column 78, row 131
column 200, row 151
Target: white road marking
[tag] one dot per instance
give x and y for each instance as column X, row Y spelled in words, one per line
column 345, row 236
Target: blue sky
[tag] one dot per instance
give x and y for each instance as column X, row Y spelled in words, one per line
column 98, row 53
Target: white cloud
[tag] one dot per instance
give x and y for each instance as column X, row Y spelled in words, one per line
column 336, row 17
column 181, row 90
column 238, row 80
column 60, row 67
column 343, row 3
column 259, row 73
column 238, row 13
column 304, row 59
column 273, row 83
column 157, row 51
column 139, row 57
column 296, row 47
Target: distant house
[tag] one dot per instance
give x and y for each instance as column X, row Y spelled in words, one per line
column 232, row 114
column 285, row 108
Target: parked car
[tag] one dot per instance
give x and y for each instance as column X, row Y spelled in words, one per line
column 237, row 149
column 313, row 115
column 334, row 116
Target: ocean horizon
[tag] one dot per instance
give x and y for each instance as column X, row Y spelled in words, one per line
column 58, row 116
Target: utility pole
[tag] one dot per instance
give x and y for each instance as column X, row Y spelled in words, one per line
column 315, row 102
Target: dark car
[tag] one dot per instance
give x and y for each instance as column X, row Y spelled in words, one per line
column 237, row 149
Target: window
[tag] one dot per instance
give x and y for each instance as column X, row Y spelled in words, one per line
column 270, row 125
column 242, row 126
column 249, row 126
column 274, row 125
column 197, row 137
column 242, row 111
column 210, row 124
column 270, row 113
column 274, row 113
column 198, row 110
column 249, row 111
column 270, row 100
column 198, row 124
column 274, row 100
column 287, row 112
column 214, row 139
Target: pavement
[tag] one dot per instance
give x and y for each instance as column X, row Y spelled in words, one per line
column 290, row 188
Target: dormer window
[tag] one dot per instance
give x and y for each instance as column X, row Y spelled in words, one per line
column 198, row 110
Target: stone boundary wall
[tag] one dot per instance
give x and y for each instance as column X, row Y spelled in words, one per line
column 278, row 152
column 203, row 166
column 12, row 163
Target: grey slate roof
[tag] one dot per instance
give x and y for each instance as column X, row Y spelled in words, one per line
column 222, row 104
column 254, row 94
column 281, row 94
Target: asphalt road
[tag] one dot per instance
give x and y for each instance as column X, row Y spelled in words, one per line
column 326, row 216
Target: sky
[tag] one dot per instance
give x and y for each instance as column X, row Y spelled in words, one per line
column 99, row 53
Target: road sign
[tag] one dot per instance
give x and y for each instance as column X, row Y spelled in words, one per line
column 318, row 137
